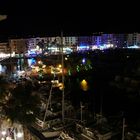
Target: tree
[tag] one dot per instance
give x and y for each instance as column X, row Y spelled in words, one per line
column 4, row 90
column 22, row 106
column 19, row 104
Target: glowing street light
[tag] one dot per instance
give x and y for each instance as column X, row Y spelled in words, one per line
column 19, row 134
column 44, row 66
column 3, row 132
column 61, row 86
column 60, row 66
column 39, row 62
column 83, row 60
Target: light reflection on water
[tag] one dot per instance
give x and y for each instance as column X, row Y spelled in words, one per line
column 84, row 85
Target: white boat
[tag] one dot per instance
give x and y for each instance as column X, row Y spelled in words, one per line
column 94, row 134
column 51, row 133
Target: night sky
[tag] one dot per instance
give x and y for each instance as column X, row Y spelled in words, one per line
column 48, row 18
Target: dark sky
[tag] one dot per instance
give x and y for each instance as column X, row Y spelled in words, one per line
column 49, row 17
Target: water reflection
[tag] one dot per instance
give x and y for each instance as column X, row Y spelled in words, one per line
column 84, row 85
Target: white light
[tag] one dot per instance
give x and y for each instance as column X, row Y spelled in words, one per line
column 55, row 81
column 59, row 65
column 135, row 46
column 66, row 58
column 13, row 54
column 44, row 66
column 94, row 47
column 4, row 55
column 39, row 62
column 8, row 138
column 0, row 68
column 19, row 134
column 3, row 132
column 30, row 62
column 107, row 45
column 83, row 60
column 37, row 47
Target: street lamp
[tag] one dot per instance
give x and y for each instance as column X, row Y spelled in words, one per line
column 83, row 60
column 3, row 132
column 19, row 134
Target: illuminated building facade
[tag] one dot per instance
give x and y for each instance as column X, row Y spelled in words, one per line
column 19, row 46
column 31, row 43
column 120, row 40
column 133, row 39
column 52, row 45
column 97, row 40
column 84, row 43
column 70, row 41
column 107, row 38
column 4, row 48
column 84, row 40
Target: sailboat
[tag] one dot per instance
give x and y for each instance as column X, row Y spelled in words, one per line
column 100, row 130
column 53, row 127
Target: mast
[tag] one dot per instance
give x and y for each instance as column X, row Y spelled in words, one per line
column 123, row 129
column 47, row 106
column 62, row 61
column 101, row 106
column 49, row 100
column 81, row 110
column 99, row 120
